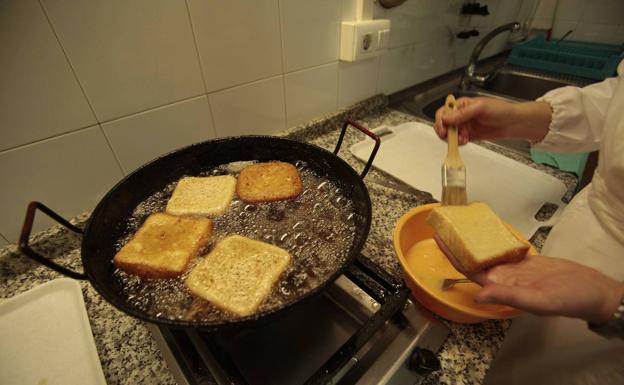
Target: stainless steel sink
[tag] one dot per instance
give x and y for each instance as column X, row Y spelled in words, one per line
column 526, row 85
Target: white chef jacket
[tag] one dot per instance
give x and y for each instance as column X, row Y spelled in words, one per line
column 559, row 350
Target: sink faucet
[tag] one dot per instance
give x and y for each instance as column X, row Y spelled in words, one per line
column 470, row 76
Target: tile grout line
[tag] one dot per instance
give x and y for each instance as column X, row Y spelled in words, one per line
column 186, row 99
column 104, row 122
column 69, row 63
column 201, row 68
column 283, row 57
column 196, row 44
column 84, row 93
column 106, row 138
column 48, row 138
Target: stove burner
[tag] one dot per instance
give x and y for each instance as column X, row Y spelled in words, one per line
column 362, row 330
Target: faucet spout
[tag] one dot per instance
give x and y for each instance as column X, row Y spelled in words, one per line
column 470, row 75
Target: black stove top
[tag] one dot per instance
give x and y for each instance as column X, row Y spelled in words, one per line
column 338, row 337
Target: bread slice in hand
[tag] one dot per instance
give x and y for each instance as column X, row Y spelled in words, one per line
column 207, row 196
column 238, row 274
column 164, row 245
column 268, row 182
column 476, row 236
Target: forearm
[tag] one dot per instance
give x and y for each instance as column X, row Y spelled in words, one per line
column 530, row 120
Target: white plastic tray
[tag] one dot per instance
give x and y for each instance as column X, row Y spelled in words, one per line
column 46, row 337
column 412, row 153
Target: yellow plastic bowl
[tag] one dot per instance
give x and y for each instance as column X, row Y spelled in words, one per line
column 425, row 267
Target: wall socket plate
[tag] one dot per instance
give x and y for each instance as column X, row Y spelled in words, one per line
column 364, row 39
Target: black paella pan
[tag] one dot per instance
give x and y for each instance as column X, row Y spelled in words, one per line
column 106, row 226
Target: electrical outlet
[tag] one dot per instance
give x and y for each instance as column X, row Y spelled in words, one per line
column 364, row 39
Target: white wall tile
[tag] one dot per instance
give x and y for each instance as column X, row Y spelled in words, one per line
column 561, row 27
column 310, row 32
column 526, row 9
column 403, row 28
column 488, row 21
column 604, row 12
column 463, row 49
column 255, row 108
column 379, row 12
column 431, row 59
column 602, row 33
column 571, row 10
column 396, row 69
column 431, row 29
column 39, row 95
column 239, row 41
column 69, row 174
column 137, row 139
column 348, row 10
column 496, row 45
column 311, row 93
column 129, row 55
column 507, row 12
column 357, row 81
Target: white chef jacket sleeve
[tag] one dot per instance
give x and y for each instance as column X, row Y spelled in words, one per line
column 578, row 116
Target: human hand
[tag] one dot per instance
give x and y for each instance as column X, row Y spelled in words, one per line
column 475, row 118
column 483, row 118
column 548, row 286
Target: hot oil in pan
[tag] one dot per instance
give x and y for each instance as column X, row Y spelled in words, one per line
column 317, row 228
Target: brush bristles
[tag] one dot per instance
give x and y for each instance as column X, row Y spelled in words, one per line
column 454, row 196
column 454, row 186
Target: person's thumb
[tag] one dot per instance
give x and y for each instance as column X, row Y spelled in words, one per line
column 463, row 115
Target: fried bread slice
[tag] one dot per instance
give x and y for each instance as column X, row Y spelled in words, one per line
column 238, row 274
column 208, row 196
column 164, row 245
column 476, row 236
column 268, row 182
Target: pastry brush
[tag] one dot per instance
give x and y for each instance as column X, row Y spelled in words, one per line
column 453, row 169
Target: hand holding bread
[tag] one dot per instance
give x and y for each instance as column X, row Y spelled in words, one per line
column 541, row 285
column 551, row 286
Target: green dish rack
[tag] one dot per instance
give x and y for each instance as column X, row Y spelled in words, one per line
column 589, row 60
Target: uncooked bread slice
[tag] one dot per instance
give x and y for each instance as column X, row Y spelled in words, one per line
column 208, row 196
column 476, row 236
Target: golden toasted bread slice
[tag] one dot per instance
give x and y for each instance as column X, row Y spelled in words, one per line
column 268, row 182
column 164, row 245
column 238, row 274
column 476, row 236
column 208, row 196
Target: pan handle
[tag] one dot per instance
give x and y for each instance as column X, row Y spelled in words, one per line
column 367, row 132
column 24, row 247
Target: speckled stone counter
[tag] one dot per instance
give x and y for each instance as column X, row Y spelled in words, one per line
column 126, row 349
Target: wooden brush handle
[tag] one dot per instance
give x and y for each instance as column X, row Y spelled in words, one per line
column 452, row 137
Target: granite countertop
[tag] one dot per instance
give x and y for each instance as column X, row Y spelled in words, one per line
column 126, row 349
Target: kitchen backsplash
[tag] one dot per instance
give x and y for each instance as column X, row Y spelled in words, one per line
column 91, row 90
column 597, row 21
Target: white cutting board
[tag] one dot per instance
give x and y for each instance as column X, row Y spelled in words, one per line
column 414, row 154
column 46, row 338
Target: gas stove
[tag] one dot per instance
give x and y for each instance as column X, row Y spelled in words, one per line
column 363, row 329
